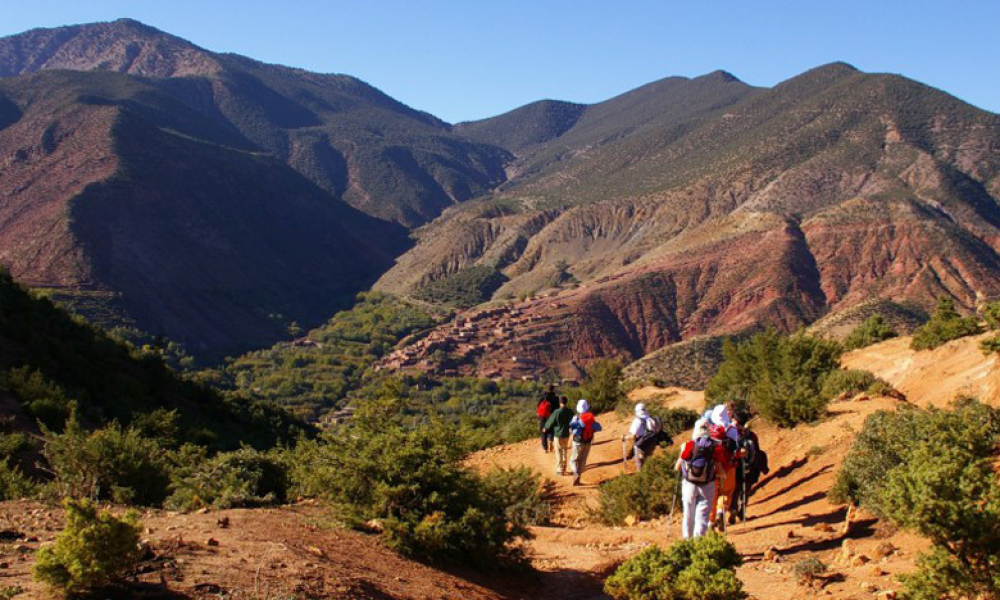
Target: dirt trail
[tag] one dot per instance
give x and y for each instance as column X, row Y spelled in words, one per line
column 789, row 512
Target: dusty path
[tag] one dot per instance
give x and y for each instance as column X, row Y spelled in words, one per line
column 789, row 512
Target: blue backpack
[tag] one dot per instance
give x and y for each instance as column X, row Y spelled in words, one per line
column 700, row 468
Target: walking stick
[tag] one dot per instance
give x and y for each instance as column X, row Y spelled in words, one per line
column 673, row 503
column 624, row 456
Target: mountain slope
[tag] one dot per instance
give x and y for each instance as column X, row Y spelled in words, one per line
column 347, row 137
column 830, row 189
column 113, row 186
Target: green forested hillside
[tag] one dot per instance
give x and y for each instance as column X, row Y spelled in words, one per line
column 50, row 361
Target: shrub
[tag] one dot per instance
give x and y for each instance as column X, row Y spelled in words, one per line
column 808, row 570
column 888, row 438
column 243, row 478
column 40, row 397
column 412, row 483
column 13, row 483
column 931, row 472
column 111, row 463
column 991, row 314
column 94, row 550
column 781, row 377
column 852, row 382
column 645, row 495
column 945, row 325
column 524, row 494
column 703, row 568
column 990, row 345
column 463, row 289
column 603, row 389
column 872, row 331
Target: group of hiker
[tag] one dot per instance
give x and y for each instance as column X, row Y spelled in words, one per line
column 719, row 466
column 561, row 426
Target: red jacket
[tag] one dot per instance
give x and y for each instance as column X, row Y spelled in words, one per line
column 719, row 454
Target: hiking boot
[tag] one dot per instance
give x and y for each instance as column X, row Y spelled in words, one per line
column 732, row 519
column 576, row 480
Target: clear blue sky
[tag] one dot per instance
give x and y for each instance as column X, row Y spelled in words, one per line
column 468, row 59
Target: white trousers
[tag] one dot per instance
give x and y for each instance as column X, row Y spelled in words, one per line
column 697, row 501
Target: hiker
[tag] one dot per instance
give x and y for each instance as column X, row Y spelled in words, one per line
column 725, row 486
column 646, row 433
column 546, row 406
column 698, row 464
column 558, row 429
column 583, row 426
column 749, row 467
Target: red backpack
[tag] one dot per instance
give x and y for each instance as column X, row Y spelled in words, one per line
column 587, row 435
column 544, row 410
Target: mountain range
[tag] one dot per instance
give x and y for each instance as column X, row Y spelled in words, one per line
column 216, row 199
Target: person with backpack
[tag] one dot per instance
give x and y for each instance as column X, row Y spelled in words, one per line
column 646, row 432
column 751, row 464
column 546, row 406
column 583, row 426
column 700, row 460
column 725, row 485
column 558, row 428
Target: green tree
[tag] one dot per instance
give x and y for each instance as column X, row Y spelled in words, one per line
column 945, row 325
column 781, row 377
column 872, row 331
column 603, row 387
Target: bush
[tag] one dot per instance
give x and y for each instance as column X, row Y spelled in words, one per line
column 931, row 472
column 852, row 382
column 13, row 483
column 94, row 550
column 991, row 314
column 703, row 568
column 603, row 387
column 808, row 570
column 945, row 325
column 990, row 345
column 781, row 377
column 243, row 478
column 110, row 463
column 645, row 495
column 888, row 438
column 526, row 496
column 411, row 482
column 40, row 397
column 872, row 331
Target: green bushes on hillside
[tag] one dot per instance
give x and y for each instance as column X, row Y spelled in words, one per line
column 702, row 568
column 872, row 331
column 852, row 382
column 238, row 479
column 991, row 314
column 112, row 463
column 931, row 471
column 945, row 325
column 463, row 289
column 410, row 486
column 603, row 386
column 781, row 377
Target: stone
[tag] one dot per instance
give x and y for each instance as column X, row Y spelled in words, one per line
column 869, row 587
column 824, row 528
column 375, row 525
column 846, row 552
column 316, row 551
column 860, row 560
column 772, row 555
column 212, row 542
column 885, row 549
column 888, row 595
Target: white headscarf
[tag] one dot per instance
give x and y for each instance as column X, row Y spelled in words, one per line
column 720, row 416
column 700, row 428
column 640, row 411
column 582, row 407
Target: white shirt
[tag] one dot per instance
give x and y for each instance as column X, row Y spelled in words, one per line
column 638, row 427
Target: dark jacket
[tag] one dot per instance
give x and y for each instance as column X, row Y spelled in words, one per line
column 558, row 423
